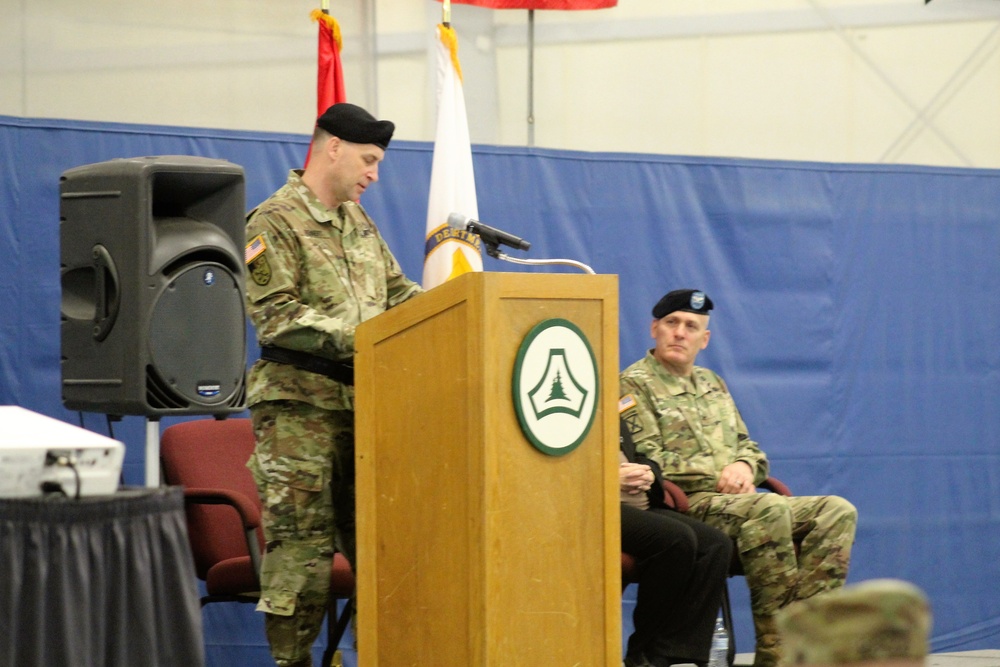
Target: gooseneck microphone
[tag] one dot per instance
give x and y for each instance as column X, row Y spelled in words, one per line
column 491, row 236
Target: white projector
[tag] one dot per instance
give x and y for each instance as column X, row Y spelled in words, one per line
column 39, row 454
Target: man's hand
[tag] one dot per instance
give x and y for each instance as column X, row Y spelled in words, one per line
column 634, row 478
column 736, row 478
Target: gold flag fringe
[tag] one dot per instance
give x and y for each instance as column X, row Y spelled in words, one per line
column 319, row 15
column 450, row 39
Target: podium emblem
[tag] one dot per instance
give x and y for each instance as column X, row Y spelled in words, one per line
column 555, row 386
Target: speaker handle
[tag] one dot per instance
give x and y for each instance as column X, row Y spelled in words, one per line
column 108, row 297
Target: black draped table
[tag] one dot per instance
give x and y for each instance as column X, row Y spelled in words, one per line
column 101, row 581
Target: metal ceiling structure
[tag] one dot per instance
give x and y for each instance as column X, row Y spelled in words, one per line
column 51, row 39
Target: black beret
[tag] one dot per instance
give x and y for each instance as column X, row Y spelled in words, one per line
column 688, row 300
column 352, row 123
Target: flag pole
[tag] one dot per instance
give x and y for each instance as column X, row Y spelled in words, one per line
column 531, row 78
column 446, row 13
column 325, row 6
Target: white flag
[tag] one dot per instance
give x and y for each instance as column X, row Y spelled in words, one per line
column 450, row 252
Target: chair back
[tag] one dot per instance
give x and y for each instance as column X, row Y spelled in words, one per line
column 211, row 454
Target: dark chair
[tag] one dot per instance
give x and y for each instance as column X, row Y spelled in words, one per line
column 208, row 458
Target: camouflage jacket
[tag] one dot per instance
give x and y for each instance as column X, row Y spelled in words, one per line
column 690, row 427
column 313, row 275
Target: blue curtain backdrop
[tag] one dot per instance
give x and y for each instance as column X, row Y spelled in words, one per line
column 856, row 318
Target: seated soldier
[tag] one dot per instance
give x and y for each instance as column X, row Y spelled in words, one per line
column 685, row 422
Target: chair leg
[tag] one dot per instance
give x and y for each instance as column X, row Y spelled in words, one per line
column 727, row 621
column 336, row 627
column 343, row 622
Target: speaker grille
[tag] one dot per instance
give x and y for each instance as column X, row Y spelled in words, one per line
column 159, row 395
column 198, row 339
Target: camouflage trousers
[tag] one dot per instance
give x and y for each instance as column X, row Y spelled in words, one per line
column 764, row 526
column 303, row 463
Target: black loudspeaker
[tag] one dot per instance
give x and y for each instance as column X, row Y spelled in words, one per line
column 153, row 316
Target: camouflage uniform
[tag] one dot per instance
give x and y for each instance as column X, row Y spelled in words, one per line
column 314, row 274
column 692, row 429
column 876, row 620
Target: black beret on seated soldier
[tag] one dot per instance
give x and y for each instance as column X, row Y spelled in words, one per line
column 688, row 300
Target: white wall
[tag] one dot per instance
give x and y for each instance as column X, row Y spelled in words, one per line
column 829, row 80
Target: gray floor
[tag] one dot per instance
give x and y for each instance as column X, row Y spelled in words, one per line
column 989, row 658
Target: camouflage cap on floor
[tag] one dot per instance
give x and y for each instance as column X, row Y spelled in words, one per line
column 875, row 620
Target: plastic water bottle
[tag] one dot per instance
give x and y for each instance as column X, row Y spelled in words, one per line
column 719, row 655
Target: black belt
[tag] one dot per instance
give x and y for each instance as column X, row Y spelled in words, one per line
column 335, row 370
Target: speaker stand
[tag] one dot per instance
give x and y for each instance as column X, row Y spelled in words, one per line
column 152, row 452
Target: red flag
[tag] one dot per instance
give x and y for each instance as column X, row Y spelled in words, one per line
column 329, row 73
column 540, row 4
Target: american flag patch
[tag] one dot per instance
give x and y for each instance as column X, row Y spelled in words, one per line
column 625, row 402
column 254, row 248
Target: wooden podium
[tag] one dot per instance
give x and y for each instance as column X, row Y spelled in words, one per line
column 476, row 548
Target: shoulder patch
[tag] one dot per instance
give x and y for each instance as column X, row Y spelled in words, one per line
column 260, row 271
column 633, row 424
column 254, row 249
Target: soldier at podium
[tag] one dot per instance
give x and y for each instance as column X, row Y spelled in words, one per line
column 682, row 562
column 317, row 267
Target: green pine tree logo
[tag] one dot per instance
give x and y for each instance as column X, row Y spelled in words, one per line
column 555, row 386
column 557, row 393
